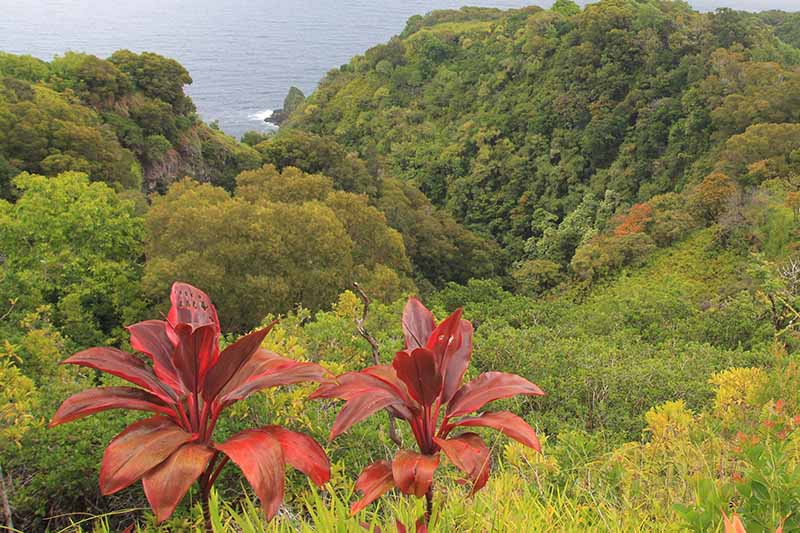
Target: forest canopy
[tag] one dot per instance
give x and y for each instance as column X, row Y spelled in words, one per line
column 609, row 194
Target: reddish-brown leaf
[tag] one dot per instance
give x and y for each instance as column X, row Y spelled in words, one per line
column 92, row 401
column 150, row 338
column 141, row 446
column 303, row 453
column 380, row 378
column 469, row 454
column 265, row 370
column 457, row 360
column 359, row 408
column 375, row 481
column 418, row 323
column 348, row 386
column 196, row 352
column 231, row 360
column 419, row 372
column 733, row 524
column 506, row 422
column 191, row 306
column 443, row 337
column 413, row 472
column 486, row 388
column 258, row 454
column 167, row 484
column 123, row 365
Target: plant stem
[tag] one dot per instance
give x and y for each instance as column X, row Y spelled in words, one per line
column 205, row 492
column 206, row 512
column 428, row 505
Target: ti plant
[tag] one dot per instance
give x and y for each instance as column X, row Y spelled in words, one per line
column 188, row 385
column 423, row 386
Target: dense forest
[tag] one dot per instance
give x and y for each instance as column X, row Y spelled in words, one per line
column 610, row 193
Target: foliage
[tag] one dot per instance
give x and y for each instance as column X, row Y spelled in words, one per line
column 422, row 379
column 18, row 399
column 189, row 385
column 536, row 276
column 497, row 115
column 45, row 132
column 74, row 246
column 317, row 241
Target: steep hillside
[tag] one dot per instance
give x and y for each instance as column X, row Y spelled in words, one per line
column 125, row 120
column 513, row 120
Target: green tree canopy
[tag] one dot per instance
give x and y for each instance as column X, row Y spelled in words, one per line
column 74, row 246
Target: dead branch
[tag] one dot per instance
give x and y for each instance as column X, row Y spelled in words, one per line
column 376, row 352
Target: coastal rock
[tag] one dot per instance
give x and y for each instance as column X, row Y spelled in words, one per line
column 294, row 99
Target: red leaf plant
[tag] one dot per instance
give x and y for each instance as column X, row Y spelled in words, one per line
column 423, row 386
column 188, row 385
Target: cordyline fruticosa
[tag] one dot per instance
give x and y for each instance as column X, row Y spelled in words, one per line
column 188, row 385
column 423, row 382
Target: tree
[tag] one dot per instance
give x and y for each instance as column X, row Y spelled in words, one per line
column 254, row 258
column 158, row 77
column 42, row 131
column 316, row 154
column 635, row 221
column 74, row 246
column 291, row 185
column 566, row 8
column 374, row 242
column 710, row 197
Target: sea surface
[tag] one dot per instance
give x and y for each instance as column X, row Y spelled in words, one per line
column 243, row 55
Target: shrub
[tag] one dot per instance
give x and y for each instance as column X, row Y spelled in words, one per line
column 422, row 379
column 189, row 385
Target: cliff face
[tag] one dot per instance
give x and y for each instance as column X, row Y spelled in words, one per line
column 125, row 121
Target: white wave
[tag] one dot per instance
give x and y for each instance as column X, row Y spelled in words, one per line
column 261, row 115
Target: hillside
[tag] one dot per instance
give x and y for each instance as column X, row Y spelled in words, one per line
column 514, row 120
column 611, row 195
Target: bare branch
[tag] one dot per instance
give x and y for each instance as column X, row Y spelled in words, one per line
column 11, row 308
column 376, row 352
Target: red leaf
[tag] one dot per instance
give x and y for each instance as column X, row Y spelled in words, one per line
column 349, row 385
column 196, row 352
column 388, row 375
column 150, row 338
column 359, row 408
column 260, row 458
column 486, row 388
column 191, row 306
column 303, row 453
column 379, row 378
column 457, row 360
column 418, row 323
column 508, row 423
column 231, row 360
column 443, row 337
column 141, row 446
column 123, row 365
column 92, row 401
column 413, row 472
column 266, row 369
column 733, row 524
column 167, row 484
column 470, row 455
column 375, row 481
column 419, row 372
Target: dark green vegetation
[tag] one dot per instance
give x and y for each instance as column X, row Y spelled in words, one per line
column 611, row 193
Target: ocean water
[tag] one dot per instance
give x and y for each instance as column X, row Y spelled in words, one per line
column 243, row 55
